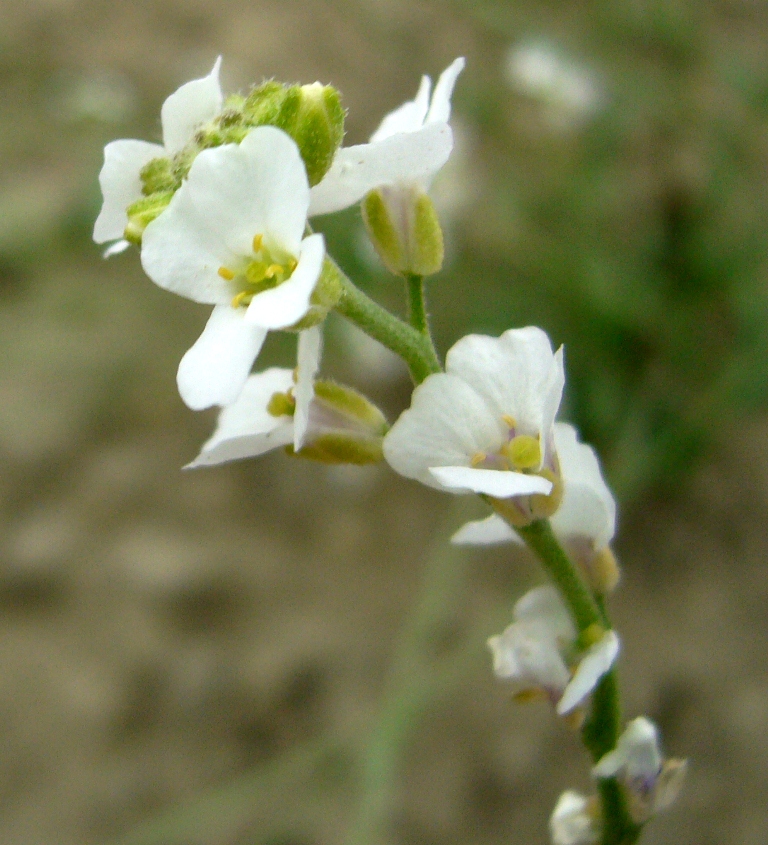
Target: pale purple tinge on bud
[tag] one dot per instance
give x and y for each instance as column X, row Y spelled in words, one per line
column 652, row 783
column 575, row 820
column 539, row 652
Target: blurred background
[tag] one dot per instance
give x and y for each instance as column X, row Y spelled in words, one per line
column 218, row 657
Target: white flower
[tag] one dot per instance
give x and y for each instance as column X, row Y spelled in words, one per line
column 652, row 783
column 486, row 424
column 191, row 105
column 538, row 651
column 250, row 426
column 574, row 821
column 232, row 237
column 411, row 144
column 585, row 521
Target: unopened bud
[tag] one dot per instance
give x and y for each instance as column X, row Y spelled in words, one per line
column 404, row 229
column 604, row 572
column 311, row 114
column 324, row 297
column 142, row 212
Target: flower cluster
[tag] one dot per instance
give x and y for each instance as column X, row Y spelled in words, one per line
column 220, row 211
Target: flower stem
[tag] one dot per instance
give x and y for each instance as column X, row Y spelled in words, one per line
column 414, row 347
column 417, row 313
column 601, row 730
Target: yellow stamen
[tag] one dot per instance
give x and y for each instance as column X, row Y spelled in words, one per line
column 257, row 241
column 272, row 271
column 241, row 298
column 226, row 273
column 292, row 265
column 510, row 422
column 477, row 459
column 528, row 696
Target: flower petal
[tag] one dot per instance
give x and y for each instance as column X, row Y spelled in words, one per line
column 215, row 369
column 485, row 532
column 286, row 304
column 405, row 157
column 637, row 753
column 245, row 428
column 256, row 187
column 121, row 185
column 194, row 103
column 406, row 118
column 181, row 253
column 544, row 607
column 492, row 482
column 588, row 508
column 446, row 425
column 440, row 108
column 571, row 822
column 596, row 662
column 115, row 248
column 310, row 349
column 514, row 373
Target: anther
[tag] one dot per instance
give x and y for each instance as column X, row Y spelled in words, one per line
column 226, row 273
column 242, row 298
column 477, row 459
column 510, row 422
column 272, row 271
column 257, row 241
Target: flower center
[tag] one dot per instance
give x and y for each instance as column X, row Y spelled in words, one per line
column 264, row 269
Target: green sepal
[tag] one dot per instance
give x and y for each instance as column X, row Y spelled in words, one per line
column 142, row 212
column 324, row 297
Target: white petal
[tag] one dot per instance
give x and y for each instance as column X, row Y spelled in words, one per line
column 406, row 118
column 115, row 249
column 257, row 187
column 588, row 508
column 440, row 108
column 492, row 482
column 405, row 157
column 597, row 660
column 286, row 304
column 570, row 822
column 485, row 532
column 121, row 185
column 215, row 369
column 514, row 373
column 194, row 103
column 530, row 656
column 543, row 606
column 181, row 253
column 245, row 428
column 446, row 425
column 310, row 349
column 637, row 753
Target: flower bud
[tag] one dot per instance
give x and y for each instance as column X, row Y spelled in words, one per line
column 344, row 427
column 404, row 229
column 311, row 114
column 142, row 212
column 324, row 297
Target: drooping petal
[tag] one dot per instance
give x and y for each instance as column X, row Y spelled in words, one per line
column 440, row 108
column 286, row 304
column 257, row 187
column 588, row 508
column 189, row 106
column 543, row 607
column 637, row 753
column 597, row 660
column 485, row 532
column 181, row 253
column 514, row 373
column 245, row 428
column 215, row 369
column 121, row 185
column 405, row 157
column 529, row 655
column 446, row 425
column 406, row 118
column 492, row 482
column 308, row 362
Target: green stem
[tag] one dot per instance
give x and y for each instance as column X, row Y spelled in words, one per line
column 601, row 730
column 417, row 314
column 410, row 344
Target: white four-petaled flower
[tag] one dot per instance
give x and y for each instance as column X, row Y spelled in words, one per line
column 486, row 424
column 191, row 105
column 575, row 820
column 538, row 651
column 233, row 237
column 411, row 144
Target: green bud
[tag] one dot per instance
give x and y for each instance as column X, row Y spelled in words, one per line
column 353, row 429
column 311, row 114
column 404, row 229
column 142, row 212
column 157, row 175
